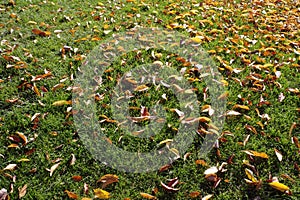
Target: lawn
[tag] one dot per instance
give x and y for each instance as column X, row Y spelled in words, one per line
column 48, row 54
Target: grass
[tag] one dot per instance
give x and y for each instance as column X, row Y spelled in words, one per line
column 268, row 30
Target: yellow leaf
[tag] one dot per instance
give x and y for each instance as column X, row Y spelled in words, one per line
column 62, row 102
column 23, row 160
column 279, row 186
column 141, row 88
column 237, row 106
column 250, row 175
column 256, row 154
column 101, row 194
column 147, row 196
column 13, row 146
column 85, row 198
column 196, row 39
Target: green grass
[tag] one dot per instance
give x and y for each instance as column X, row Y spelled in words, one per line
column 83, row 24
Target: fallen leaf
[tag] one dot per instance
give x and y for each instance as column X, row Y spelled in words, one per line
column 108, row 179
column 101, row 194
column 41, row 33
column 4, row 194
column 23, row 137
column 10, row 167
column 53, row 168
column 147, row 196
column 256, row 154
column 73, row 159
column 194, row 194
column 22, row 191
column 71, row 195
column 61, row 103
column 207, row 197
column 168, row 188
column 211, row 170
column 278, row 154
column 281, row 187
column 77, row 178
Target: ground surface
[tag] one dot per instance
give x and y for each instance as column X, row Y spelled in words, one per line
column 255, row 47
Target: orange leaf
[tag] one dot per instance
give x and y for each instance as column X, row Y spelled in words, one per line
column 194, row 194
column 71, row 195
column 147, row 196
column 256, row 154
column 23, row 137
column 76, row 178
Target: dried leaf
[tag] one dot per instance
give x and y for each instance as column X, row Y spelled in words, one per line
column 22, row 191
column 278, row 154
column 147, row 196
column 211, row 170
column 71, row 195
column 73, row 159
column 77, row 178
column 23, row 137
column 62, row 102
column 53, row 168
column 256, row 154
column 141, row 88
column 101, row 194
column 281, row 187
column 108, row 179
column 207, row 197
column 4, row 194
column 194, row 194
column 232, row 113
column 168, row 188
column 10, row 167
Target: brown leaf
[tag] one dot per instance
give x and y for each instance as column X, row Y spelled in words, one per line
column 165, row 167
column 71, row 195
column 41, row 33
column 22, row 191
column 108, row 179
column 168, row 188
column 194, row 194
column 77, row 178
